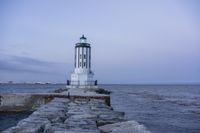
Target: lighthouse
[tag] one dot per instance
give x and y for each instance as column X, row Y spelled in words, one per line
column 82, row 76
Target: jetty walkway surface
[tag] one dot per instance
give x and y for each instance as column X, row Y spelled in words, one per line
column 69, row 111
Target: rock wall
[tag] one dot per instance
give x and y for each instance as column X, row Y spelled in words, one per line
column 28, row 101
column 21, row 102
column 71, row 116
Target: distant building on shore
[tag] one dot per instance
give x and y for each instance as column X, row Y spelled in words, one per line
column 82, row 76
column 10, row 82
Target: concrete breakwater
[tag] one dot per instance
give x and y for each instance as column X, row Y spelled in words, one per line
column 83, row 111
column 30, row 101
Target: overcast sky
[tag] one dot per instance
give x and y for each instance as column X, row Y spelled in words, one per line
column 141, row 41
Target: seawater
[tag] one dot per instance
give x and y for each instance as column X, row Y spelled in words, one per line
column 29, row 88
column 161, row 108
column 9, row 119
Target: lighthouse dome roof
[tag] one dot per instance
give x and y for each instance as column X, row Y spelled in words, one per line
column 83, row 42
column 83, row 37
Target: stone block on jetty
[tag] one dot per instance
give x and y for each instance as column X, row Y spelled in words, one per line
column 124, row 127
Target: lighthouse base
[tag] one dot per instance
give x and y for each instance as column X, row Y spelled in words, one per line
column 81, row 86
column 82, row 80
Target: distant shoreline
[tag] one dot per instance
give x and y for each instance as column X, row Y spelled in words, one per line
column 145, row 84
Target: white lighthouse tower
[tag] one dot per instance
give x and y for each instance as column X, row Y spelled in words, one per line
column 82, row 76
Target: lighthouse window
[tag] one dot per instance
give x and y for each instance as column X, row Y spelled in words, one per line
column 84, row 64
column 80, row 55
column 84, row 56
column 80, row 63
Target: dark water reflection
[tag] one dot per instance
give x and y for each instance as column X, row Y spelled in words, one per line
column 9, row 119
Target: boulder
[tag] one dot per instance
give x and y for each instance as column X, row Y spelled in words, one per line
column 124, row 127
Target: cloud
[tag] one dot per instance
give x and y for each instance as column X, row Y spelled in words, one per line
column 17, row 64
column 7, row 66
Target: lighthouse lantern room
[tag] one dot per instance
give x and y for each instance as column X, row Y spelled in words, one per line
column 82, row 76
